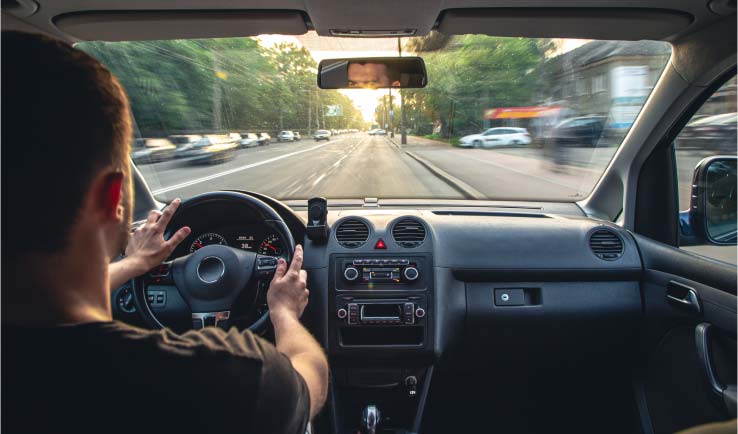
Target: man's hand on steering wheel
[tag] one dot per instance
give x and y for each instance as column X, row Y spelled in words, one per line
column 147, row 247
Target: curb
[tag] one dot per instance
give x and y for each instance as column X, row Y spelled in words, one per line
column 387, row 138
column 462, row 187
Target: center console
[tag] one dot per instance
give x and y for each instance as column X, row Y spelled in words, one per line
column 380, row 338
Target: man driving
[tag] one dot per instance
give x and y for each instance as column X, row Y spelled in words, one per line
column 67, row 199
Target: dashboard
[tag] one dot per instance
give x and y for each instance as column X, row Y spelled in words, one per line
column 425, row 278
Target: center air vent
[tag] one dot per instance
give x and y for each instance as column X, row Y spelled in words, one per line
column 606, row 244
column 352, row 233
column 408, row 233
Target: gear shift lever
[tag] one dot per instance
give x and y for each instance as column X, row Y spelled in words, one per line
column 370, row 419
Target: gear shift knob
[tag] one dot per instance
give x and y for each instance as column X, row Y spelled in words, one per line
column 370, row 419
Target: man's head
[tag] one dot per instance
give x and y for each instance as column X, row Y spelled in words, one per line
column 66, row 134
column 370, row 76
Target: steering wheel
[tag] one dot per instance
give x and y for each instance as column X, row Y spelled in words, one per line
column 206, row 283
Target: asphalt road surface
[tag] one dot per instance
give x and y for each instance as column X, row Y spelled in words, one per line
column 348, row 166
column 358, row 166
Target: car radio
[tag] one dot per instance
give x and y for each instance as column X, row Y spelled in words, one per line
column 402, row 311
column 379, row 271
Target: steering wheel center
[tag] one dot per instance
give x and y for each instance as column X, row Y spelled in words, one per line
column 210, row 269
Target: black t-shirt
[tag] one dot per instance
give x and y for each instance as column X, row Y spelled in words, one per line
column 111, row 377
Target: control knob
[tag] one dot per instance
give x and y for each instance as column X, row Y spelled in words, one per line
column 350, row 274
column 342, row 313
column 411, row 273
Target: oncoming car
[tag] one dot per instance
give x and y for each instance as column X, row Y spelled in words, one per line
column 322, row 135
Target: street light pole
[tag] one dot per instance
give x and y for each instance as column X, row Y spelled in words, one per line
column 403, row 131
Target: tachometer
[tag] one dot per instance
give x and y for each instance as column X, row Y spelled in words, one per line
column 206, row 240
column 271, row 246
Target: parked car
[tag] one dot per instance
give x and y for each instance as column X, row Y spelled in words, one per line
column 500, row 136
column 286, row 136
column 322, row 135
column 146, row 151
column 185, row 144
column 213, row 149
column 297, row 135
column 377, row 132
column 716, row 132
column 248, row 140
column 579, row 131
column 264, row 139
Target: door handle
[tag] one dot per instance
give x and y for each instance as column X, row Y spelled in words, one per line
column 683, row 297
column 723, row 395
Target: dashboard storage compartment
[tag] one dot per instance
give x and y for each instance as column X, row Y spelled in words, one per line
column 382, row 336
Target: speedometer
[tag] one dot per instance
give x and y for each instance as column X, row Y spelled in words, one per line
column 206, row 240
column 271, row 246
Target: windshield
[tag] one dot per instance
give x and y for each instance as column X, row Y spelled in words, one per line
column 500, row 118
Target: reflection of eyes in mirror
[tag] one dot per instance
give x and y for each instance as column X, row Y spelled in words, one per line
column 371, row 76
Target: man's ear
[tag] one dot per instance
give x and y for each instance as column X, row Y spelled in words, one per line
column 110, row 194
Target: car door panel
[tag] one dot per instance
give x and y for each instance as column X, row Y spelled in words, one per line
column 677, row 391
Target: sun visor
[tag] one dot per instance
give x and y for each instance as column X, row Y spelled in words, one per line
column 580, row 23
column 152, row 25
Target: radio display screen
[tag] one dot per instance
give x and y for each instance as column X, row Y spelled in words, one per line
column 380, row 310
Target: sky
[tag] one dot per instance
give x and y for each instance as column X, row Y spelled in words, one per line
column 366, row 100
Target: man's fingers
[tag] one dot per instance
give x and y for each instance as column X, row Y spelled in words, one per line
column 168, row 213
column 178, row 237
column 296, row 264
column 153, row 216
column 281, row 269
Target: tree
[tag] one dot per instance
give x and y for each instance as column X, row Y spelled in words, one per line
column 470, row 73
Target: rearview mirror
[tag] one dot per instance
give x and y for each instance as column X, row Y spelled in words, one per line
column 712, row 210
column 372, row 73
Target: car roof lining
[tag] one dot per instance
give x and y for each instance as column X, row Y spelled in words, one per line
column 75, row 20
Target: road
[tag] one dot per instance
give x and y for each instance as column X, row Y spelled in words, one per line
column 358, row 166
column 348, row 166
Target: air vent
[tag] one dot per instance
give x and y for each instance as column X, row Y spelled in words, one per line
column 606, row 245
column 352, row 233
column 408, row 233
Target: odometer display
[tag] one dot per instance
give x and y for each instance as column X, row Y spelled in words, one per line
column 206, row 240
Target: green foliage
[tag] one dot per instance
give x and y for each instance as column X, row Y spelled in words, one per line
column 470, row 73
column 221, row 85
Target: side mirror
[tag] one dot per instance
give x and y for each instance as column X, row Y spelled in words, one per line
column 712, row 209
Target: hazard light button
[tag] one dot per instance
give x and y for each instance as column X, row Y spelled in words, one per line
column 380, row 244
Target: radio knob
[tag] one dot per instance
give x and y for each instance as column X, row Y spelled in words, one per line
column 420, row 312
column 342, row 313
column 350, row 274
column 411, row 273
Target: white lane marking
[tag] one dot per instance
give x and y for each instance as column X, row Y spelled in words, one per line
column 236, row 170
column 320, row 178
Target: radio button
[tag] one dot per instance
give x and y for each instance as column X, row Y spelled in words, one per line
column 351, row 274
column 411, row 273
column 353, row 313
column 342, row 313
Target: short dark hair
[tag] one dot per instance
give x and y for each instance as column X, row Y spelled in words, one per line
column 65, row 117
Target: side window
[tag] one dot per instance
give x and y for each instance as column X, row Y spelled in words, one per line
column 710, row 133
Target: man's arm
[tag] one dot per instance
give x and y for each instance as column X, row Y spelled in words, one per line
column 147, row 247
column 287, row 298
